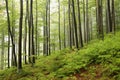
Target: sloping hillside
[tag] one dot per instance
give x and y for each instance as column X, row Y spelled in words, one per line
column 100, row 60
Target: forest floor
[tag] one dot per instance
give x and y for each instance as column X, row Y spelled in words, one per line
column 99, row 60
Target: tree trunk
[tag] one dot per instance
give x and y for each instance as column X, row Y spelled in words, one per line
column 64, row 29
column 25, row 35
column 8, row 50
column 10, row 32
column 79, row 21
column 69, row 11
column 20, row 37
column 109, row 16
column 113, row 17
column 75, row 25
column 29, row 33
column 36, row 28
column 2, row 51
column 84, row 19
column 59, row 25
column 32, row 32
column 100, row 19
column 49, row 31
column 87, row 23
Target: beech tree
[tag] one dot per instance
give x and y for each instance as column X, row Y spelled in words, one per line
column 100, row 19
column 75, row 24
column 10, row 34
column 20, row 37
column 59, row 29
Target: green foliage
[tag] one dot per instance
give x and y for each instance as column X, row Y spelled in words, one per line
column 62, row 65
column 6, row 72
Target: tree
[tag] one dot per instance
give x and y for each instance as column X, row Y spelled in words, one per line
column 13, row 34
column 113, row 17
column 49, row 41
column 46, row 31
column 10, row 33
column 64, row 28
column 79, row 21
column 109, row 21
column 2, row 51
column 29, row 33
column 59, row 25
column 25, row 33
column 87, row 23
column 84, row 19
column 69, row 19
column 20, row 37
column 100, row 19
column 75, row 24
column 8, row 50
column 36, row 24
column 32, row 32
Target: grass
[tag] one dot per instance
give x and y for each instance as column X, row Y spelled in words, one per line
column 99, row 60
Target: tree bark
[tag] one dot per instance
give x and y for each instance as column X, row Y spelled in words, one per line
column 79, row 24
column 100, row 19
column 64, row 29
column 10, row 32
column 75, row 25
column 59, row 25
column 69, row 18
column 32, row 32
column 20, row 37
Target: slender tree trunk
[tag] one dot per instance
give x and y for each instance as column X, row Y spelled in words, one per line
column 46, row 30
column 10, row 32
column 100, row 19
column 49, row 30
column 29, row 33
column 72, row 31
column 36, row 28
column 87, row 23
column 109, row 16
column 91, row 24
column 13, row 33
column 107, row 27
column 113, row 17
column 32, row 32
column 20, row 37
column 25, row 39
column 25, row 35
column 75, row 25
column 84, row 19
column 8, row 50
column 69, row 11
column 59, row 24
column 64, row 29
column 44, row 35
column 2, row 52
column 79, row 21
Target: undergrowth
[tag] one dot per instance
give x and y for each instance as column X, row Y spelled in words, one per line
column 65, row 64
